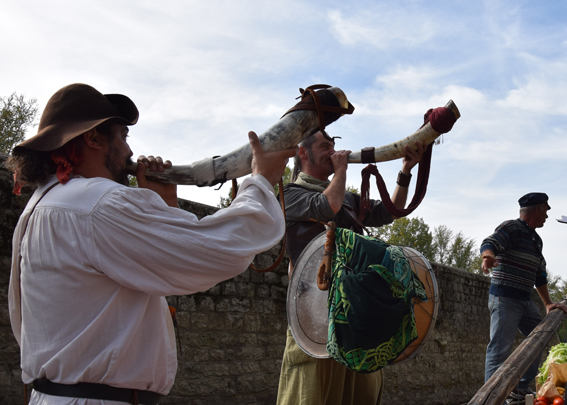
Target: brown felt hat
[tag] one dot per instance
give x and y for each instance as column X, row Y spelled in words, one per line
column 74, row 110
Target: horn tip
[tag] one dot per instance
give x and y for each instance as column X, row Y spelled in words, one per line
column 453, row 107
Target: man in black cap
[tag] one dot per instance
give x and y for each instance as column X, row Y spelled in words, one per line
column 94, row 259
column 514, row 251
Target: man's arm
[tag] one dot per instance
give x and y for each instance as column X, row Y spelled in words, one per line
column 488, row 260
column 271, row 165
column 412, row 158
column 167, row 251
column 501, row 240
column 335, row 192
column 543, row 292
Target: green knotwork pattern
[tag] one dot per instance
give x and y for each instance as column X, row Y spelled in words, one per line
column 390, row 284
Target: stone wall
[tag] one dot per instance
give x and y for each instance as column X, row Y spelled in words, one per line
column 233, row 336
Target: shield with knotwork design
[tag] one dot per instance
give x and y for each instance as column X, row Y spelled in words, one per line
column 307, row 305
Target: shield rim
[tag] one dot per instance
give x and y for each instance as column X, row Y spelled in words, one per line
column 300, row 340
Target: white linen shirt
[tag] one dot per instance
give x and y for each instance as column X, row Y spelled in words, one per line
column 98, row 259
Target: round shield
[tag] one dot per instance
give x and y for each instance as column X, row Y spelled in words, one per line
column 307, row 311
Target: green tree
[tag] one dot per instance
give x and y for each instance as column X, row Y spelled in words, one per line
column 16, row 115
column 440, row 246
column 412, row 233
column 556, row 286
column 557, row 291
column 352, row 189
column 456, row 250
column 475, row 266
column 225, row 202
column 464, row 253
column 133, row 181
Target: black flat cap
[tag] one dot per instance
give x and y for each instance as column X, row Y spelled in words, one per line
column 534, row 199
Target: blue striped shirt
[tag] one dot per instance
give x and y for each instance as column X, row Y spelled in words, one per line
column 518, row 249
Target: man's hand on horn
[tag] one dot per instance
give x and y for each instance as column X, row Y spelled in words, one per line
column 340, row 160
column 156, row 164
column 413, row 155
column 271, row 165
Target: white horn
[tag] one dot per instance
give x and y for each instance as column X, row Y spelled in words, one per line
column 396, row 150
column 288, row 132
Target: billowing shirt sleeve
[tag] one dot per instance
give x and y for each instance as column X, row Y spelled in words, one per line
column 145, row 245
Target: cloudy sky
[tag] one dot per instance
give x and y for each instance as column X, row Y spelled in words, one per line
column 205, row 73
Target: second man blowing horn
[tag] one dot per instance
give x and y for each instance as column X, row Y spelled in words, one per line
column 306, row 380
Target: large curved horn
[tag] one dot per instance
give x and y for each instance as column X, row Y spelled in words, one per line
column 395, row 150
column 288, row 132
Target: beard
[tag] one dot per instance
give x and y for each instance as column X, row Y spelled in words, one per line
column 116, row 165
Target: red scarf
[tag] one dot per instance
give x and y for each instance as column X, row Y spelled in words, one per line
column 65, row 158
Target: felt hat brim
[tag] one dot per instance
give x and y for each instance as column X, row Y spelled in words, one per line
column 74, row 110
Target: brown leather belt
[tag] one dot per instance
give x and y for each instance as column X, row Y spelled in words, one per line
column 96, row 391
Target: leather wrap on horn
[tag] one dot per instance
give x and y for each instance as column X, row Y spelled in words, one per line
column 288, row 132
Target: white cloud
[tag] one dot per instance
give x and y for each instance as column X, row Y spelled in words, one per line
column 382, row 27
column 541, row 92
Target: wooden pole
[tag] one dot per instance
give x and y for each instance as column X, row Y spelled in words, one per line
column 503, row 381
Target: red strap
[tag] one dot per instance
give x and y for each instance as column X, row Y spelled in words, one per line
column 420, row 190
column 441, row 119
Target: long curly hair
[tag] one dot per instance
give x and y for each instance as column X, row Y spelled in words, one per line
column 34, row 167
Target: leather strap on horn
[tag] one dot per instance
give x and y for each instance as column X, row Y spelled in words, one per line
column 441, row 120
column 310, row 100
column 367, row 155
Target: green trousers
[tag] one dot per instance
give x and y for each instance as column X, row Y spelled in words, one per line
column 305, row 380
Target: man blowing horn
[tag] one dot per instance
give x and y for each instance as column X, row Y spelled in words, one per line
column 304, row 379
column 94, row 259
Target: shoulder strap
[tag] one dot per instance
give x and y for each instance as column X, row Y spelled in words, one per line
column 20, row 260
column 33, row 207
column 22, row 238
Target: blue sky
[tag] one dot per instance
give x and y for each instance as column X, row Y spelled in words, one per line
column 205, row 73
